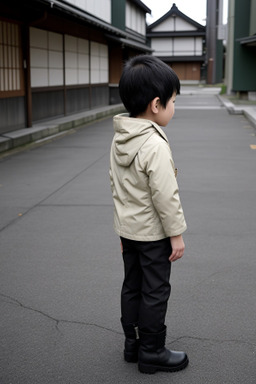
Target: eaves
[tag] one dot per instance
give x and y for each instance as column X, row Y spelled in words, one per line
column 248, row 41
column 72, row 10
column 176, row 34
column 182, row 58
column 131, row 43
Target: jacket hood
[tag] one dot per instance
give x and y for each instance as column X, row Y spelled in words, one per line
column 130, row 134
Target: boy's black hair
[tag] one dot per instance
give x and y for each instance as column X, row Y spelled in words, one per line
column 145, row 77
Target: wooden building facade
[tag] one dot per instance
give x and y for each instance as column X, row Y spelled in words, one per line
column 62, row 57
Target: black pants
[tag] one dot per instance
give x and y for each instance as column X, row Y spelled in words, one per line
column 146, row 287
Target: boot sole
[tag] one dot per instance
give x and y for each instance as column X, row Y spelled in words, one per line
column 151, row 369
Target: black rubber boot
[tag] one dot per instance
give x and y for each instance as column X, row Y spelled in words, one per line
column 131, row 344
column 153, row 356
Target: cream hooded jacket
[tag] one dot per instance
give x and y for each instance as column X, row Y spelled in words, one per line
column 145, row 192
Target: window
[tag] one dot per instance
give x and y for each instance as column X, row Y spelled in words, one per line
column 11, row 71
column 76, row 60
column 46, row 57
column 99, row 63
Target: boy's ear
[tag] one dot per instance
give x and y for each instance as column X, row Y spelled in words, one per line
column 154, row 105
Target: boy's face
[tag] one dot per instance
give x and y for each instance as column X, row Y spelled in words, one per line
column 165, row 114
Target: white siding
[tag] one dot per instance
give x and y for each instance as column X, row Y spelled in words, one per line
column 99, row 8
column 135, row 19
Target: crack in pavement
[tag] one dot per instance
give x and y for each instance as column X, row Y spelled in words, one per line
column 13, row 301
column 212, row 340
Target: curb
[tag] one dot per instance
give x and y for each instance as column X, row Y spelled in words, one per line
column 248, row 112
column 250, row 116
column 43, row 130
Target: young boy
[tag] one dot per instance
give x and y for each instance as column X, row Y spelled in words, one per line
column 148, row 215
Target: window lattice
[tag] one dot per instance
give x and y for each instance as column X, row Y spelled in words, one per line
column 10, row 61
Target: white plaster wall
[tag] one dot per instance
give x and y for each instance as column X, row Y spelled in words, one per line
column 162, row 46
column 166, row 25
column 182, row 25
column 177, row 46
column 99, row 8
column 183, row 47
column 174, row 24
column 135, row 19
column 199, row 46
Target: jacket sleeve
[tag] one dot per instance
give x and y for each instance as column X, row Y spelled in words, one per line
column 164, row 189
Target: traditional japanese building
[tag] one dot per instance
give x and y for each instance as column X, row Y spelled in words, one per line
column 179, row 41
column 61, row 57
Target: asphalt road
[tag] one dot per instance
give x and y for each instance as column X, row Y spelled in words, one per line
column 61, row 268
